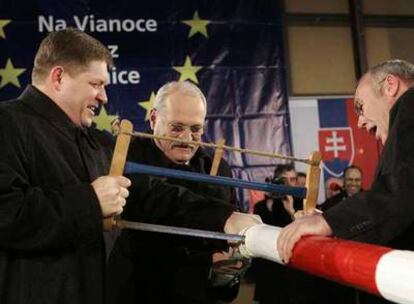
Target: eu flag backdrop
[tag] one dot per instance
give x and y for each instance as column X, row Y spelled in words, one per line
column 232, row 49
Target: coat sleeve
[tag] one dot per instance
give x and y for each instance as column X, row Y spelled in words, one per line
column 225, row 170
column 384, row 212
column 153, row 200
column 33, row 218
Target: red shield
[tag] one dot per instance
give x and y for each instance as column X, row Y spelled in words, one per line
column 337, row 149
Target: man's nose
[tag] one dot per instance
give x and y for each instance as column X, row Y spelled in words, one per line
column 186, row 134
column 101, row 96
column 362, row 121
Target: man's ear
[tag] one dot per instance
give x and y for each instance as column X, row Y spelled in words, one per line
column 56, row 75
column 153, row 118
column 392, row 85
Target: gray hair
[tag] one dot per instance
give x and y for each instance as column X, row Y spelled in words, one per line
column 169, row 88
column 397, row 67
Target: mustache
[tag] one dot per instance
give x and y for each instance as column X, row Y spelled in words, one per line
column 181, row 145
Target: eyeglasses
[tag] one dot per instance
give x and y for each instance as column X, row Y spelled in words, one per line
column 178, row 128
column 359, row 107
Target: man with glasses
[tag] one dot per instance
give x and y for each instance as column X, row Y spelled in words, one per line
column 179, row 111
column 384, row 101
column 157, row 268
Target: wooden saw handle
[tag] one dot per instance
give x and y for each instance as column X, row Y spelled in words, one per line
column 118, row 162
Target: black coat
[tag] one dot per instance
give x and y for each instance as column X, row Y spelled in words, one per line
column 51, row 248
column 157, row 268
column 333, row 201
column 385, row 214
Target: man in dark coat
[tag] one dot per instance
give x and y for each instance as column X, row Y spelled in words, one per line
column 384, row 101
column 52, row 199
column 156, row 268
column 276, row 210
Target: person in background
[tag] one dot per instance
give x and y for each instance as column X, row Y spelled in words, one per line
column 352, row 185
column 278, row 210
column 301, row 182
column 328, row 290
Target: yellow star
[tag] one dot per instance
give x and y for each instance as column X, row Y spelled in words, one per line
column 188, row 71
column 197, row 25
column 3, row 23
column 103, row 120
column 9, row 75
column 148, row 105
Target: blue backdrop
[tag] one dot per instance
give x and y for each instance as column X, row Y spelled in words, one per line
column 232, row 49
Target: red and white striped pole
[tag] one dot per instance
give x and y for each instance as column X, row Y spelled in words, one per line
column 379, row 270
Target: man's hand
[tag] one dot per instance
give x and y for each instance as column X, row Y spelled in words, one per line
column 226, row 262
column 288, row 204
column 239, row 221
column 227, row 268
column 313, row 224
column 112, row 193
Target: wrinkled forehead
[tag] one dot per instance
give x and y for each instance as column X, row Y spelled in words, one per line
column 184, row 106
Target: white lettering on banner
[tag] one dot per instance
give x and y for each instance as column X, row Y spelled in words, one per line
column 123, row 76
column 50, row 25
column 113, row 49
column 335, row 140
column 90, row 24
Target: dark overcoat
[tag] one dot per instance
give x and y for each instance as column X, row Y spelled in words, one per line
column 385, row 213
column 157, row 268
column 51, row 248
